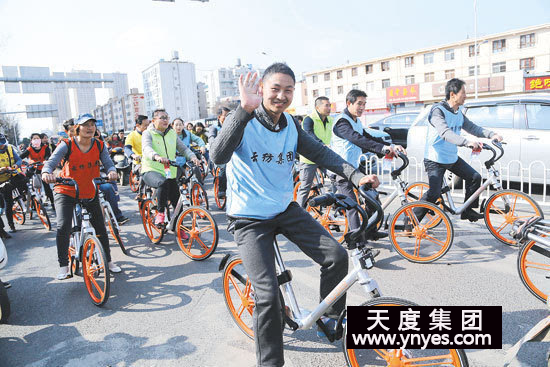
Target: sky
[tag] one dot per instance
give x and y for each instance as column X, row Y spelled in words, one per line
column 130, row 35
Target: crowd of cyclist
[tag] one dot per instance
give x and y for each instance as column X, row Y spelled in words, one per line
column 255, row 148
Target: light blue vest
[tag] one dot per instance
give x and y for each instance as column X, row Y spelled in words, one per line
column 437, row 149
column 259, row 174
column 345, row 148
column 180, row 160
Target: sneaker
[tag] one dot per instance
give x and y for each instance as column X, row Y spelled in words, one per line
column 330, row 323
column 4, row 235
column 113, row 268
column 6, row 285
column 183, row 235
column 159, row 218
column 63, row 273
column 12, row 228
column 471, row 215
column 122, row 220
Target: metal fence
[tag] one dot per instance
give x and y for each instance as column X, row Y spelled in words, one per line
column 416, row 172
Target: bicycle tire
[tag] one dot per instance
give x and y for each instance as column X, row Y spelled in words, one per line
column 113, row 229
column 5, row 308
column 18, row 214
column 492, row 213
column 198, row 196
column 202, row 233
column 148, row 213
column 423, row 186
column 220, row 202
column 133, row 181
column 536, row 256
column 73, row 262
column 42, row 214
column 456, row 357
column 435, row 236
column 94, row 268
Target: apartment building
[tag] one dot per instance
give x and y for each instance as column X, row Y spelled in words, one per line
column 120, row 113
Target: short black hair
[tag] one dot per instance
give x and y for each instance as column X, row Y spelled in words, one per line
column 279, row 67
column 158, row 110
column 318, row 100
column 220, row 111
column 353, row 94
column 37, row 134
column 454, row 85
column 43, row 135
column 299, row 118
column 140, row 119
column 67, row 124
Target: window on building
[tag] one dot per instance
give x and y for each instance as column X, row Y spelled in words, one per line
column 385, row 83
column 327, row 92
column 428, row 77
column 449, row 54
column 499, row 46
column 527, row 64
column 315, row 93
column 353, row 71
column 368, row 68
column 339, row 74
column 340, row 89
column 429, row 58
column 370, row 86
column 314, row 79
column 471, row 49
column 499, row 67
column 527, row 40
column 327, row 77
column 471, row 70
column 385, row 65
column 409, row 61
column 355, row 86
column 449, row 74
column 409, row 79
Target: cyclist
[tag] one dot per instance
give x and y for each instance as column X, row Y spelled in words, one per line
column 200, row 132
column 10, row 159
column 46, row 141
column 132, row 145
column 189, row 126
column 349, row 140
column 160, row 143
column 82, row 156
column 213, row 133
column 445, row 122
column 188, row 138
column 38, row 151
column 115, row 141
column 259, row 142
column 319, row 125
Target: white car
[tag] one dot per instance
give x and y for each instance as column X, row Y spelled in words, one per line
column 522, row 120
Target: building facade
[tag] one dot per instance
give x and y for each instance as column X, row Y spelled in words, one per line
column 121, row 113
column 171, row 85
column 201, row 95
column 61, row 95
column 410, row 80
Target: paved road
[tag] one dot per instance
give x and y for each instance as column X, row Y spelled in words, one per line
column 166, row 310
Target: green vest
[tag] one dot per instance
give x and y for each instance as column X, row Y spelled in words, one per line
column 322, row 132
column 165, row 146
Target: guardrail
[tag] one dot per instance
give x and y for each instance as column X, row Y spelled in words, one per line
column 416, row 172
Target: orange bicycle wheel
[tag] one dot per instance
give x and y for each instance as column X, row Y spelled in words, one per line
column 197, row 233
column 18, row 213
column 534, row 269
column 148, row 214
column 504, row 208
column 95, row 270
column 199, row 197
column 75, row 265
column 414, row 192
column 417, row 240
column 238, row 295
column 42, row 214
column 133, row 181
column 220, row 202
column 400, row 357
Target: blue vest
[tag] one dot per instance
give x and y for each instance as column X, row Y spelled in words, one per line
column 180, row 160
column 437, row 149
column 259, row 174
column 345, row 148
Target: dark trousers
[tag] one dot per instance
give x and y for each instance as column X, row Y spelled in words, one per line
column 307, row 174
column 64, row 208
column 222, row 179
column 354, row 219
column 20, row 182
column 435, row 171
column 49, row 193
column 167, row 189
column 254, row 239
column 111, row 195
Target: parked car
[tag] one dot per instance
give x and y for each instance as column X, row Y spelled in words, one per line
column 522, row 120
column 397, row 126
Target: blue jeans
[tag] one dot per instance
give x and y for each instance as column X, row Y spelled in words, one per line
column 110, row 190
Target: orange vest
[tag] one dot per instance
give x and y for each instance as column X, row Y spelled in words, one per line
column 81, row 167
column 39, row 156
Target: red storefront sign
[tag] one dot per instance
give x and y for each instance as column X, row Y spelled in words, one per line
column 407, row 93
column 537, row 83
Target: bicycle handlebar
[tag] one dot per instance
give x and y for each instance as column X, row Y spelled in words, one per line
column 68, row 182
column 397, row 172
column 491, row 161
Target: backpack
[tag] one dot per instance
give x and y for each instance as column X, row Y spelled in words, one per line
column 69, row 143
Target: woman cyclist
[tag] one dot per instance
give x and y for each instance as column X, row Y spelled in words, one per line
column 188, row 138
column 38, row 151
column 82, row 156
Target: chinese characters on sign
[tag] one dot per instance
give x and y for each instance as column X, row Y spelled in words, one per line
column 407, row 93
column 268, row 157
column 537, row 83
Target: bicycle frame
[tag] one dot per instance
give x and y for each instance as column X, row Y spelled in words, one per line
column 107, row 206
column 81, row 226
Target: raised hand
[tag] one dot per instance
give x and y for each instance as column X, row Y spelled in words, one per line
column 250, row 95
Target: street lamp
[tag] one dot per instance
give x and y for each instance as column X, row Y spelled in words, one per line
column 476, row 50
